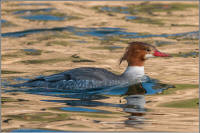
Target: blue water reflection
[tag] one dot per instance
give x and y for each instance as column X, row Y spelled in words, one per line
column 80, row 109
column 33, row 4
column 43, row 17
column 36, row 130
column 33, row 10
column 3, row 21
column 101, row 32
column 123, row 10
column 130, row 17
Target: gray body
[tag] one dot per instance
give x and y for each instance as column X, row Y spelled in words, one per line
column 78, row 78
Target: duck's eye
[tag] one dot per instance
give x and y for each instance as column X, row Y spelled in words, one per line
column 148, row 50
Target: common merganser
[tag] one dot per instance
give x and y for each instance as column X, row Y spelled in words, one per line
column 88, row 77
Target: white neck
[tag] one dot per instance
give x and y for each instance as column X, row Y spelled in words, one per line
column 133, row 72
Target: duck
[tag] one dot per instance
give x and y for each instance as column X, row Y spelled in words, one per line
column 90, row 77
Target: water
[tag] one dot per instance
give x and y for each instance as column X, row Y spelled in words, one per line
column 3, row 21
column 43, row 17
column 115, row 108
column 34, row 10
column 36, row 130
column 123, row 10
column 101, row 32
column 191, row 36
column 194, row 54
column 79, row 109
column 30, row 50
column 82, row 41
column 130, row 17
column 98, row 32
column 86, row 103
column 162, row 43
column 33, row 4
column 114, row 47
column 85, row 100
column 189, row 54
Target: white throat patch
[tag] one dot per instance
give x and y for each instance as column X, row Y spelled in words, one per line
column 134, row 72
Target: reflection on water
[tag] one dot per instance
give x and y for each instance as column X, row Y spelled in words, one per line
column 135, row 107
column 123, row 10
column 79, row 109
column 3, row 21
column 84, row 100
column 34, row 10
column 98, row 32
column 36, row 130
column 43, row 17
column 189, row 54
column 33, row 4
column 101, row 32
column 87, row 103
column 130, row 17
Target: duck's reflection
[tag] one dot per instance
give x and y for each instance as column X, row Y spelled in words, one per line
column 135, row 102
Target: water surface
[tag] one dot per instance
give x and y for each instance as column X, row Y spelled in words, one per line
column 34, row 10
column 79, row 109
column 35, row 130
column 101, row 32
column 33, row 4
column 123, row 10
column 3, row 21
column 43, row 17
column 130, row 17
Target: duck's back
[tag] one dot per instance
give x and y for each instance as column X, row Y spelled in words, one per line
column 89, row 73
column 77, row 74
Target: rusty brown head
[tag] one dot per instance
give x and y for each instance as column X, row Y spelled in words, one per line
column 137, row 52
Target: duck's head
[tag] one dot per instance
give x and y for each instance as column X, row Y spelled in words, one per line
column 137, row 52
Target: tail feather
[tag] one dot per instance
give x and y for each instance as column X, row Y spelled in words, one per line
column 18, row 85
column 28, row 84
